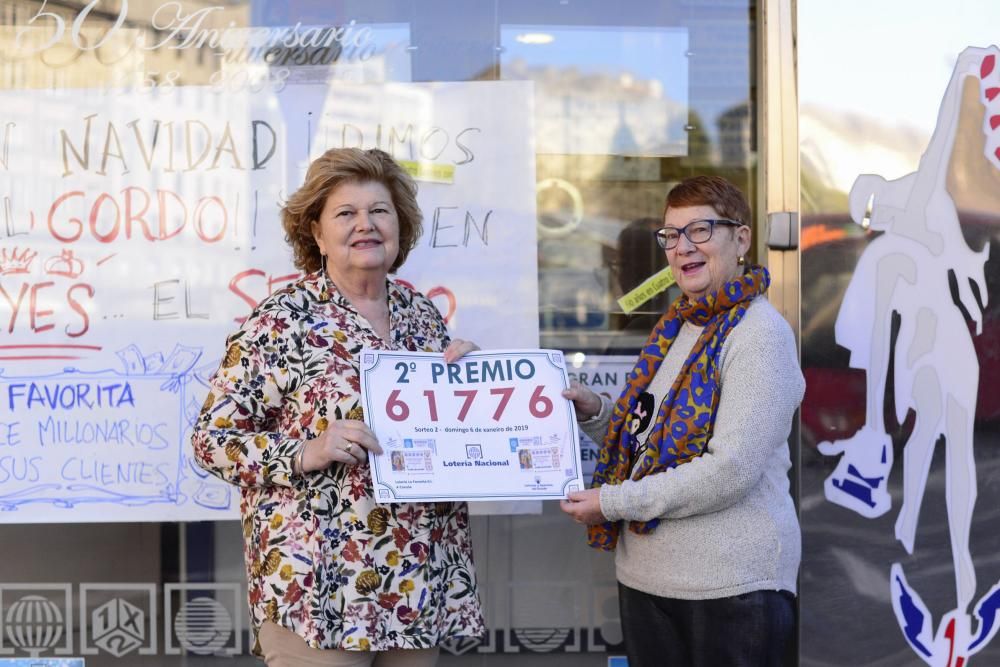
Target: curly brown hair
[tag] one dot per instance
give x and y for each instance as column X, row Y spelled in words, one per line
column 715, row 191
column 327, row 173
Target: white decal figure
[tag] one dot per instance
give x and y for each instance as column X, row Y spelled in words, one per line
column 907, row 272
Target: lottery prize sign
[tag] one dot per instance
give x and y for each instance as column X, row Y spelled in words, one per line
column 491, row 426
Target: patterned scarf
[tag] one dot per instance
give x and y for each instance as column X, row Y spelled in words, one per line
column 686, row 417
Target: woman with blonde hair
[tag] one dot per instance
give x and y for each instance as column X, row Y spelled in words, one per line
column 334, row 578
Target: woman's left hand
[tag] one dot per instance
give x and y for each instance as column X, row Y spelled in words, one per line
column 584, row 506
column 457, row 349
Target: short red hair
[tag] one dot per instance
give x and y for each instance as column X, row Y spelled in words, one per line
column 715, row 191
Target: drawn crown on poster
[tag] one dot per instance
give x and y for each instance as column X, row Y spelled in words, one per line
column 16, row 261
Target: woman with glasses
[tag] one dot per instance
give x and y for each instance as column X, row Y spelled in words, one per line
column 334, row 578
column 691, row 487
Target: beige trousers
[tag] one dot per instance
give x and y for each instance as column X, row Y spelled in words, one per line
column 284, row 648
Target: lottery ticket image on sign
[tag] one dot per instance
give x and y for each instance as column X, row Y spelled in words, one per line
column 491, row 426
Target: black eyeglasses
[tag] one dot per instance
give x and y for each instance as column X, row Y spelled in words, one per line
column 696, row 231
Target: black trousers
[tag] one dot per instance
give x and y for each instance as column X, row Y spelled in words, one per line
column 751, row 630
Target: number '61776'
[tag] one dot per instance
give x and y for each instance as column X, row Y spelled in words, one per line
column 539, row 405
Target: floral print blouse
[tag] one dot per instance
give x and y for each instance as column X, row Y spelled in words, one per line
column 323, row 559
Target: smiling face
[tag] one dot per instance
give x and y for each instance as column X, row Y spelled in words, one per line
column 358, row 230
column 704, row 268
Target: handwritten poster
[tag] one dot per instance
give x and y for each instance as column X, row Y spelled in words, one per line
column 138, row 228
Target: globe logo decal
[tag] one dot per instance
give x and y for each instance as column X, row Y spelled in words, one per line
column 34, row 624
column 542, row 640
column 203, row 626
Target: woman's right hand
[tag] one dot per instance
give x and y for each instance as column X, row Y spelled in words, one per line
column 586, row 402
column 346, row 441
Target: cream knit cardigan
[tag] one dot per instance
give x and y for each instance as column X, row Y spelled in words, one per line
column 728, row 525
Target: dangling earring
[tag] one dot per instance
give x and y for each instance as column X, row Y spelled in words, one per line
column 741, row 261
